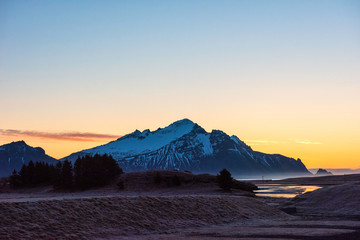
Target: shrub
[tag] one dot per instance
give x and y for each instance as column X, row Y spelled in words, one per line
column 121, row 185
column 224, row 179
column 158, row 178
column 176, row 181
column 15, row 180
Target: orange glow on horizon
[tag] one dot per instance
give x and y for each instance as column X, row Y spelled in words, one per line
column 313, row 154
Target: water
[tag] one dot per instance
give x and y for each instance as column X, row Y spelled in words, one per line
column 281, row 190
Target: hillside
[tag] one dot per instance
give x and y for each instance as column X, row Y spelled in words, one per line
column 99, row 218
column 15, row 154
column 338, row 200
column 184, row 145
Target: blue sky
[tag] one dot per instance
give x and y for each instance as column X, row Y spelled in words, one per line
column 176, row 37
column 263, row 70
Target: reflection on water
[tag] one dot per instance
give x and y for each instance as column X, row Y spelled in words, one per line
column 280, row 190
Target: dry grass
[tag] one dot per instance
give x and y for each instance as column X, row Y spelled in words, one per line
column 339, row 200
column 144, row 181
column 123, row 216
column 197, row 209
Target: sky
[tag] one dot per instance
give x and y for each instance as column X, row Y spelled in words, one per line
column 284, row 76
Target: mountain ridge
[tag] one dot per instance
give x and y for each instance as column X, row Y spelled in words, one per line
column 184, row 145
column 13, row 155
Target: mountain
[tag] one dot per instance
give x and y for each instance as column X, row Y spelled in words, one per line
column 323, row 172
column 185, row 145
column 337, row 171
column 14, row 155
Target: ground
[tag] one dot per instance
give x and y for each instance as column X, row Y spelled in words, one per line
column 197, row 209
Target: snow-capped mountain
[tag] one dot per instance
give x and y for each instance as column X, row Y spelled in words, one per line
column 185, row 145
column 14, row 155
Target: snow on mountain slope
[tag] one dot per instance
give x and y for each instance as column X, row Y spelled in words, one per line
column 185, row 145
column 143, row 142
column 182, row 153
column 206, row 145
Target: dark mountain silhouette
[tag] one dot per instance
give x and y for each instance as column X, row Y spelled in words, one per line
column 323, row 172
column 14, row 155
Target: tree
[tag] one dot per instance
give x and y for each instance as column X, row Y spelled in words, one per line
column 24, row 174
column 225, row 179
column 34, row 174
column 28, row 175
column 66, row 175
column 57, row 175
column 78, row 171
column 15, row 180
column 31, row 174
column 41, row 173
column 89, row 171
column 52, row 174
column 97, row 170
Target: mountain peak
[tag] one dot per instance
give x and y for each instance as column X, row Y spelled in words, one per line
column 184, row 121
column 181, row 125
column 323, row 172
column 18, row 144
column 21, row 142
column 13, row 155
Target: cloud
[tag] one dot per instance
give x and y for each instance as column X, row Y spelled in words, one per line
column 304, row 141
column 308, row 142
column 264, row 142
column 256, row 142
column 68, row 136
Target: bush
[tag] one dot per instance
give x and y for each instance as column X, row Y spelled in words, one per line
column 225, row 179
column 121, row 185
column 176, row 181
column 158, row 178
column 15, row 180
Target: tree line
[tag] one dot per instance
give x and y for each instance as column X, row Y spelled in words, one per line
column 87, row 172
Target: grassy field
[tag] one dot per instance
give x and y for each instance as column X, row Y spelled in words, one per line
column 197, row 209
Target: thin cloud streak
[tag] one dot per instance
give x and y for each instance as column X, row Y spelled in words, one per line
column 68, row 136
column 261, row 141
column 264, row 142
column 308, row 142
column 305, row 141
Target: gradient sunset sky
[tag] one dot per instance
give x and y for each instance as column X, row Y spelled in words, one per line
column 284, row 76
